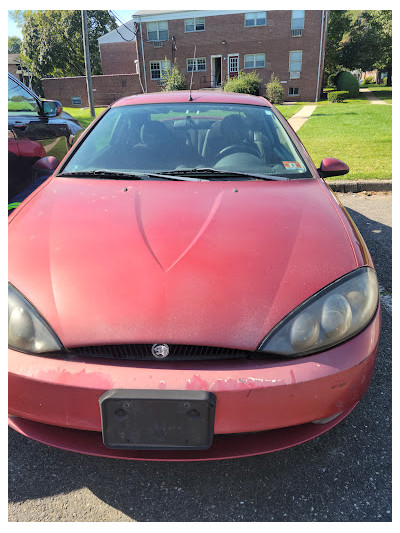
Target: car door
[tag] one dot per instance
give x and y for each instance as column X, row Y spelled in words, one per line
column 33, row 135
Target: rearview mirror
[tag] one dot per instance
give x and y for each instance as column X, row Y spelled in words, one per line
column 332, row 167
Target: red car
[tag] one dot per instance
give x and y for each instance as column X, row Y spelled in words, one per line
column 185, row 286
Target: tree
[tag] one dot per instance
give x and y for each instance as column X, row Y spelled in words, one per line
column 339, row 25
column 14, row 45
column 174, row 80
column 52, row 40
column 368, row 45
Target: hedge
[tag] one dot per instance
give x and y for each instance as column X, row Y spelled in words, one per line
column 337, row 96
column 345, row 81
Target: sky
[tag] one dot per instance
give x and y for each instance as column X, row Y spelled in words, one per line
column 123, row 14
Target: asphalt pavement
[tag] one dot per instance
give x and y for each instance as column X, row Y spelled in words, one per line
column 342, row 476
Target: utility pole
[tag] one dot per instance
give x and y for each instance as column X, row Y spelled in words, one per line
column 87, row 62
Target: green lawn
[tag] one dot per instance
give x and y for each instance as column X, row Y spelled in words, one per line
column 289, row 110
column 83, row 115
column 359, row 134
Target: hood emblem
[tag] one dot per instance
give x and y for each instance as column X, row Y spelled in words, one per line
column 160, row 351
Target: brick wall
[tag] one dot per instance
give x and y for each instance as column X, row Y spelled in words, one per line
column 274, row 39
column 106, row 88
column 118, row 58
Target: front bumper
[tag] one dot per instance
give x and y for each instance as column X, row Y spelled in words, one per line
column 267, row 405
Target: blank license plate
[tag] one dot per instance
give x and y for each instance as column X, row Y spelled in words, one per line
column 157, row 419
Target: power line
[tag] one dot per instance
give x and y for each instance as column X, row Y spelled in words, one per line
column 127, row 27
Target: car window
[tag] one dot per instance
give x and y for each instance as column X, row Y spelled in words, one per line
column 20, row 100
column 187, row 136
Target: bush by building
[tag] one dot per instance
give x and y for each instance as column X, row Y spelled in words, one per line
column 274, row 90
column 174, row 80
column 246, row 82
column 368, row 80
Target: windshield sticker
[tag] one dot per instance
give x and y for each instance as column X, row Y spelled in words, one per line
column 291, row 164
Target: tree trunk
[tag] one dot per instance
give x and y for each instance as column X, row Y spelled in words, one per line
column 389, row 77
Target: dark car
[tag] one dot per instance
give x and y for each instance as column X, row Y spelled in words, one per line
column 36, row 128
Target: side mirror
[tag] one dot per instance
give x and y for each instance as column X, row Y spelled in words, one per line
column 332, row 167
column 51, row 108
column 44, row 167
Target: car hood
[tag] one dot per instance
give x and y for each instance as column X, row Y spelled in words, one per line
column 203, row 263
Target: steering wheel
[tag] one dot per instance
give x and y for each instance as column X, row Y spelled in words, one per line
column 234, row 148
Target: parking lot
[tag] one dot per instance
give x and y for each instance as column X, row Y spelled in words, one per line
column 343, row 475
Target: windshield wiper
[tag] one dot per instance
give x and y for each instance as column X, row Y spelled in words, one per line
column 109, row 174
column 227, row 173
column 101, row 174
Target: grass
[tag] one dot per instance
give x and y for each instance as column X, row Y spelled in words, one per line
column 83, row 114
column 289, row 110
column 356, row 133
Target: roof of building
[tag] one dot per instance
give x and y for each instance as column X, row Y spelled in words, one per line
column 157, row 12
column 124, row 33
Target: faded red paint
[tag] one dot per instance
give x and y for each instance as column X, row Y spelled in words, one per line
column 183, row 263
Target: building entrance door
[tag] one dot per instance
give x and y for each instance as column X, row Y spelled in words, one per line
column 216, row 71
column 233, row 66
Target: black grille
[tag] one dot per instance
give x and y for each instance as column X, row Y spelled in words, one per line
column 142, row 352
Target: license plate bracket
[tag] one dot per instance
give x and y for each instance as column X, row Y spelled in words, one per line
column 157, row 419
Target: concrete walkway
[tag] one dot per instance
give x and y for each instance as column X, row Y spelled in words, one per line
column 371, row 97
column 298, row 119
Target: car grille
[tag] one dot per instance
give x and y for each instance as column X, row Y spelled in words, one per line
column 143, row 352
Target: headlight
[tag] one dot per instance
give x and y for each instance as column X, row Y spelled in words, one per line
column 330, row 317
column 27, row 330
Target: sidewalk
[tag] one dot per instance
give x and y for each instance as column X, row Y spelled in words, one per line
column 371, row 97
column 299, row 118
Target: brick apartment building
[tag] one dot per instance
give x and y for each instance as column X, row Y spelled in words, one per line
column 290, row 44
column 211, row 46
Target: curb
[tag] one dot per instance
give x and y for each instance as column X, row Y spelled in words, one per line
column 360, row 186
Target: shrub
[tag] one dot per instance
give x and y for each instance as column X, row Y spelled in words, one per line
column 174, row 80
column 274, row 90
column 331, row 80
column 337, row 96
column 368, row 79
column 246, row 82
column 345, row 81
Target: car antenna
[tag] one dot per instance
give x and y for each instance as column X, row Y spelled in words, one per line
column 191, row 77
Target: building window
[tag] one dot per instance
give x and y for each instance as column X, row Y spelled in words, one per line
column 196, row 24
column 196, row 64
column 159, row 69
column 157, row 31
column 258, row 18
column 297, row 20
column 295, row 61
column 293, row 91
column 254, row 61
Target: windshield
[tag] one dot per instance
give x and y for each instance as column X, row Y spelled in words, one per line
column 186, row 136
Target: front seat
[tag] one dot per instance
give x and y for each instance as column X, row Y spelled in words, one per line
column 156, row 148
column 230, row 131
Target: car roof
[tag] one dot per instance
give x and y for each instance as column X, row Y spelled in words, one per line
column 195, row 97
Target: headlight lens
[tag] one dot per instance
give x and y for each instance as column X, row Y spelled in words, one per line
column 27, row 331
column 329, row 317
